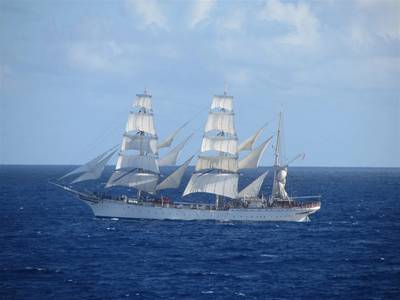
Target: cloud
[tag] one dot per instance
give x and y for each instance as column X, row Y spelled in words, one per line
column 376, row 20
column 95, row 56
column 233, row 21
column 302, row 22
column 201, row 11
column 150, row 11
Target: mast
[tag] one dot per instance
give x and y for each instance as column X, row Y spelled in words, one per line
column 217, row 165
column 280, row 171
column 137, row 164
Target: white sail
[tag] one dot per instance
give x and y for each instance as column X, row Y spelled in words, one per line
column 214, row 183
column 87, row 167
column 139, row 142
column 143, row 101
column 221, row 121
column 169, row 139
column 249, row 142
column 220, row 144
column 174, row 180
column 253, row 189
column 222, row 102
column 142, row 181
column 172, row 156
column 144, row 162
column 253, row 158
column 94, row 171
column 140, row 122
column 280, row 183
column 224, row 163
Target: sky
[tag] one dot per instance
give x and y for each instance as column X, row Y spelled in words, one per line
column 69, row 71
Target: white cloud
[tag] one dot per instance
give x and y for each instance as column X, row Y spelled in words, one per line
column 150, row 11
column 201, row 11
column 232, row 21
column 376, row 19
column 95, row 56
column 304, row 24
column 238, row 77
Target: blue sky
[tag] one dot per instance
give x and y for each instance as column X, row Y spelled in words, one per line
column 69, row 71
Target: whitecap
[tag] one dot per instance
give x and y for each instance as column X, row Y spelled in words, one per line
column 269, row 255
column 207, row 292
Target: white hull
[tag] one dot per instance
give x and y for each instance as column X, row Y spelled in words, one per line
column 119, row 209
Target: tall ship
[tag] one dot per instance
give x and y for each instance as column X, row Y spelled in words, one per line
column 216, row 172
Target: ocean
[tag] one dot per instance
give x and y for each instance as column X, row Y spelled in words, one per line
column 53, row 248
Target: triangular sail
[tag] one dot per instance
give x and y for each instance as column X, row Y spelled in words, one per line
column 252, row 160
column 216, row 168
column 249, row 142
column 253, row 189
column 172, row 156
column 93, row 165
column 96, row 171
column 137, row 165
column 174, row 179
column 170, row 138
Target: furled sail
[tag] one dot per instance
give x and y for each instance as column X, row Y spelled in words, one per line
column 280, row 183
column 94, row 166
column 138, row 169
column 221, row 121
column 253, row 189
column 220, row 144
column 172, row 156
column 222, row 184
column 174, row 180
column 217, row 165
column 253, row 158
column 249, row 142
column 169, row 139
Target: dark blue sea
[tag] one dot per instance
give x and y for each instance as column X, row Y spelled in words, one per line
column 51, row 246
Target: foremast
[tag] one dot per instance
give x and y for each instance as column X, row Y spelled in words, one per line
column 137, row 165
column 216, row 169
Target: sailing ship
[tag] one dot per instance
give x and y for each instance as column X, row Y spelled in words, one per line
column 216, row 172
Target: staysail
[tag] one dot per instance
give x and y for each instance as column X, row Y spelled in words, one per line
column 253, row 189
column 252, row 160
column 137, row 165
column 217, row 165
column 170, row 138
column 93, row 169
column 172, row 156
column 248, row 143
column 174, row 180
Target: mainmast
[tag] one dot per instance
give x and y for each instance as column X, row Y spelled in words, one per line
column 217, row 165
column 137, row 165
